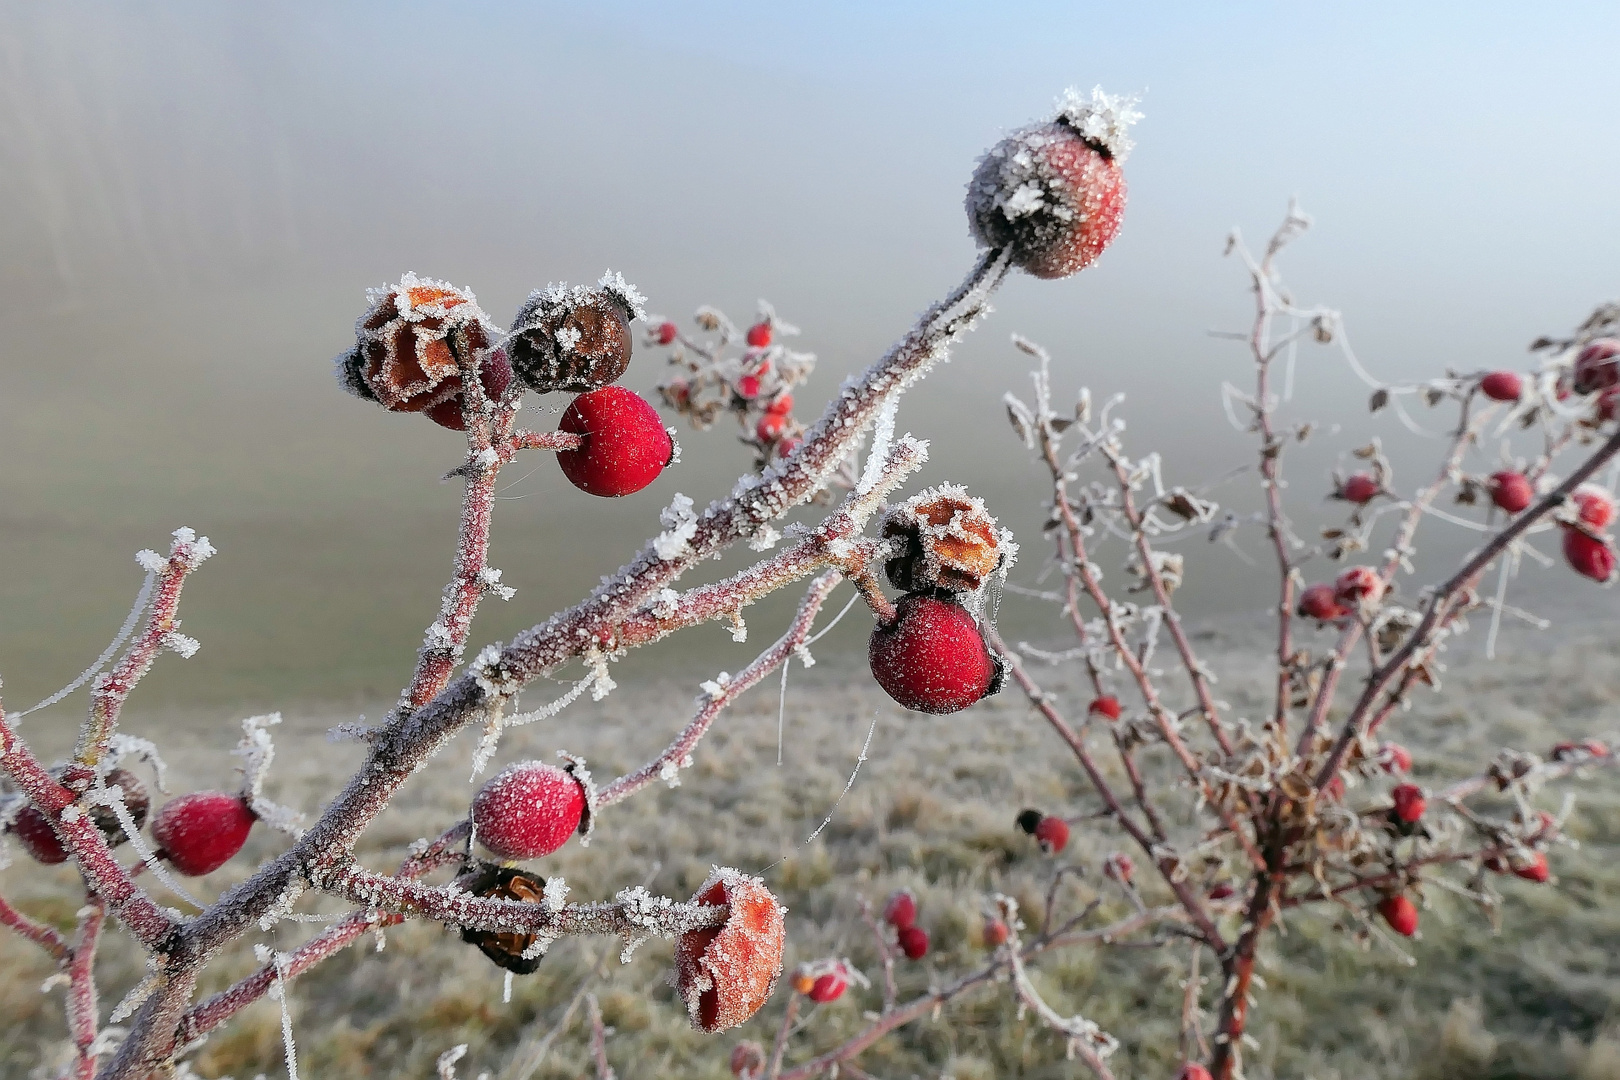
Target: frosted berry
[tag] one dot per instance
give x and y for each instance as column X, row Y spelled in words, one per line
column 1054, row 193
column 1409, row 803
column 574, row 339
column 803, row 981
column 1118, row 867
column 781, row 404
column 1106, row 707
column 951, row 542
column 914, row 942
column 33, row 830
column 828, row 987
column 1512, row 491
column 518, row 953
column 624, row 445
column 901, row 910
column 1588, row 556
column 1222, row 891
column 1359, row 488
column 1597, row 366
column 1053, row 834
column 747, row 1060
column 748, row 387
column 1358, row 585
column 1400, row 913
column 770, row 426
column 1395, row 759
column 1537, row 869
column 666, row 333
column 1593, row 505
column 1502, row 386
column 1608, row 405
column 995, row 933
column 1029, row 819
column 932, row 658
column 202, row 831
column 494, row 376
column 1317, row 602
column 412, row 343
column 1193, row 1071
column 530, row 809
column 725, row 973
column 788, row 445
column 759, row 335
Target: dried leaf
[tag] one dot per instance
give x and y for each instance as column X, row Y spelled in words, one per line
column 1380, row 398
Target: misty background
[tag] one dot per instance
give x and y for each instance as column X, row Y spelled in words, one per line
column 194, row 196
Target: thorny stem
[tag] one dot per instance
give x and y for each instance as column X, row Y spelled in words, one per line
column 773, row 1068
column 885, row 954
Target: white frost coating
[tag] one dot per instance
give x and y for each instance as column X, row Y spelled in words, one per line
column 153, row 564
column 121, row 746
column 186, row 646
column 680, row 525
column 567, row 338
column 670, row 772
column 764, row 539
column 1026, row 200
column 134, row 999
column 257, row 752
column 446, row 1065
column 613, row 282
column 1103, row 119
column 554, row 895
column 490, row 579
column 882, row 437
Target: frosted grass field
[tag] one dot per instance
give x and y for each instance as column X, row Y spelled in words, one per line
column 931, row 810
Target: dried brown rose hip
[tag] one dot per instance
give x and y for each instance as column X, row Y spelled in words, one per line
column 513, row 951
column 412, row 344
column 725, row 973
column 1054, row 193
column 951, row 542
column 574, row 339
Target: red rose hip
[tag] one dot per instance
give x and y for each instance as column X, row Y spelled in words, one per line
column 1594, row 505
column 665, row 333
column 1053, row 834
column 1588, row 555
column 828, row 987
column 1511, row 491
column 1597, row 366
column 914, row 942
column 1358, row 585
column 759, row 335
column 1193, row 1071
column 624, row 445
column 1409, row 802
column 995, row 933
column 1106, row 707
column 529, row 810
column 932, row 657
column 1400, row 913
column 1395, row 759
column 33, row 830
column 201, row 832
column 1502, row 386
column 1359, row 489
column 901, row 910
column 1317, row 602
column 725, row 973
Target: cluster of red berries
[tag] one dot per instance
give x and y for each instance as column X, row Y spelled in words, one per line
column 1052, row 833
column 421, row 341
column 1355, row 589
column 196, row 833
column 901, row 913
column 756, row 387
column 1587, row 547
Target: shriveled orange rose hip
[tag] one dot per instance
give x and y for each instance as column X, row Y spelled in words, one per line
column 725, row 973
